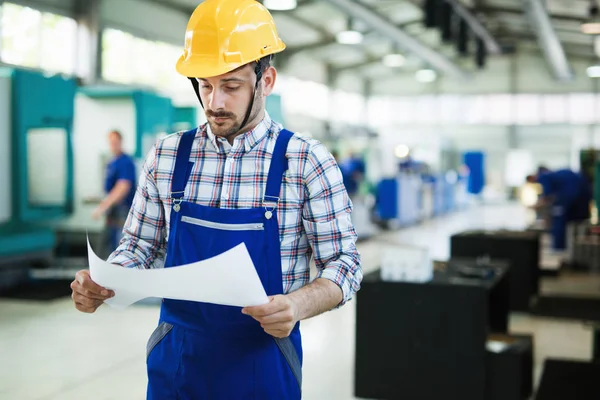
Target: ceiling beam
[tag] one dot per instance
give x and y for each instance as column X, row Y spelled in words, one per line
column 369, row 61
column 330, row 39
column 383, row 25
column 519, row 11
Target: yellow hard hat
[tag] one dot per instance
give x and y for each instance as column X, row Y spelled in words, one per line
column 223, row 35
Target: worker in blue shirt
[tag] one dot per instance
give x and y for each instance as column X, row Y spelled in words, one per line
column 569, row 194
column 120, row 184
column 353, row 172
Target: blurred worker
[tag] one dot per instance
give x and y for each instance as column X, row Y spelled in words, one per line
column 353, row 173
column 120, row 184
column 569, row 195
column 238, row 178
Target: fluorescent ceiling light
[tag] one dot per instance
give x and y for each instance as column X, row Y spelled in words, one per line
column 280, row 5
column 591, row 28
column 594, row 71
column 426, row 75
column 349, row 37
column 393, row 60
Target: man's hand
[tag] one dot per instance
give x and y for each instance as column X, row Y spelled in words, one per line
column 98, row 213
column 87, row 295
column 278, row 317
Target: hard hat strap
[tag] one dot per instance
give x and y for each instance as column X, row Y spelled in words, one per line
column 258, row 71
column 197, row 90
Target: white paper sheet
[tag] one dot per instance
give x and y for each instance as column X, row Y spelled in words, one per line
column 228, row 279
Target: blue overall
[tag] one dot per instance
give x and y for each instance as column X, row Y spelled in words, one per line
column 209, row 351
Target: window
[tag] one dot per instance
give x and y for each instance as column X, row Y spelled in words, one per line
column 116, row 56
column 35, row 39
column 555, row 109
column 527, row 109
column 581, row 108
column 132, row 60
column 477, row 110
column 451, row 109
column 500, row 107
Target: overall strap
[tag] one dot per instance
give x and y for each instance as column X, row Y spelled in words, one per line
column 180, row 174
column 278, row 166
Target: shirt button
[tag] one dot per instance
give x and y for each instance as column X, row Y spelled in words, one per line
column 226, row 196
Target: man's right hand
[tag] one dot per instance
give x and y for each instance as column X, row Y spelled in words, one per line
column 87, row 295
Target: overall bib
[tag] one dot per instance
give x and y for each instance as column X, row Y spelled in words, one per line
column 208, row 351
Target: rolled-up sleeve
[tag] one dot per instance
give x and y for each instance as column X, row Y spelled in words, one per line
column 328, row 223
column 143, row 244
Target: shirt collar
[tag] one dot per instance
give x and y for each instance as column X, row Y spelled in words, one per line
column 248, row 139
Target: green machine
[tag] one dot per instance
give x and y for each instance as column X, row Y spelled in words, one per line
column 36, row 165
column 184, row 118
column 142, row 117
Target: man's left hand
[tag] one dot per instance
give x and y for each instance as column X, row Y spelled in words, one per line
column 278, row 317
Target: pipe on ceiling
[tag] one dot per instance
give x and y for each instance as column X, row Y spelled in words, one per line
column 548, row 39
column 387, row 28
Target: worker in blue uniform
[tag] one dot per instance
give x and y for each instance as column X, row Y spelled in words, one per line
column 353, row 171
column 120, row 186
column 239, row 178
column 569, row 195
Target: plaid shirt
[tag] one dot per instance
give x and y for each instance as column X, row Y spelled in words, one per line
column 314, row 210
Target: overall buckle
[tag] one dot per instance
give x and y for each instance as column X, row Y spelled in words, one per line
column 177, row 200
column 269, row 210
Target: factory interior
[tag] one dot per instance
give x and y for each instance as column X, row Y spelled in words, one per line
column 467, row 136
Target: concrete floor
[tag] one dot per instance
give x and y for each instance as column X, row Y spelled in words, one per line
column 49, row 351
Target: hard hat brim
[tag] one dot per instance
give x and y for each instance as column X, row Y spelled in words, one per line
column 201, row 66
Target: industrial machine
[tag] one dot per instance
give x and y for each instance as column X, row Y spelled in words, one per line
column 184, row 118
column 36, row 167
column 141, row 117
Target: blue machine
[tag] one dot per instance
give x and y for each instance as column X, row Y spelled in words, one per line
column 475, row 161
column 36, row 162
column 399, row 199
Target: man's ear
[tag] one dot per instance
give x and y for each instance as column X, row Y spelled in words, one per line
column 269, row 78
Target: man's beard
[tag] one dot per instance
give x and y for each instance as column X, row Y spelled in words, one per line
column 222, row 130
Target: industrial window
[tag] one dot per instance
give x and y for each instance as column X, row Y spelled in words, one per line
column 581, row 108
column 132, row 60
column 500, row 109
column 477, row 110
column 555, row 109
column 35, row 39
column 527, row 109
column 295, row 95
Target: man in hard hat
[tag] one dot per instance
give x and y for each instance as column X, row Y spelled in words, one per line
column 238, row 178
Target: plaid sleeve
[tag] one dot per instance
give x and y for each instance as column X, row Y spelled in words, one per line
column 328, row 224
column 143, row 244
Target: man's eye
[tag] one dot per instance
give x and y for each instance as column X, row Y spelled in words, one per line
column 232, row 88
